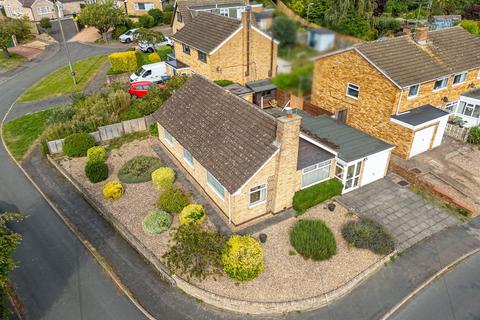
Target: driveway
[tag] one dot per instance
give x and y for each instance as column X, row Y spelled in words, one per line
column 69, row 29
column 409, row 217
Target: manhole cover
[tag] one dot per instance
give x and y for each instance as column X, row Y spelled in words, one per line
column 403, row 183
column 416, row 170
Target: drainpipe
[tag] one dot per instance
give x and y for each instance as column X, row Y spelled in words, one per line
column 247, row 73
column 399, row 101
column 229, row 208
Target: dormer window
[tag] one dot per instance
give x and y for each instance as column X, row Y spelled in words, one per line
column 459, row 78
column 413, row 91
column 353, row 90
column 440, row 84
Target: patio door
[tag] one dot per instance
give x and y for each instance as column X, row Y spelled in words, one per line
column 352, row 176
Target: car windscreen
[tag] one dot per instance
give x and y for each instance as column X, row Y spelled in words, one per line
column 139, row 72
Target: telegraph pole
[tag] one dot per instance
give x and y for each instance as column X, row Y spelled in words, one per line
column 72, row 73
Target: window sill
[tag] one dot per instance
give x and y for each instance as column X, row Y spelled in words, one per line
column 412, row 97
column 256, row 204
column 352, row 97
column 458, row 84
column 188, row 163
column 437, row 90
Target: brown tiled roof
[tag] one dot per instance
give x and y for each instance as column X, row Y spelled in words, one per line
column 206, row 31
column 406, row 63
column 226, row 134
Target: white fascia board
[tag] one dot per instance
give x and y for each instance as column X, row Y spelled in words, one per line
column 265, row 35
column 225, row 41
column 318, row 144
column 421, row 125
column 256, row 172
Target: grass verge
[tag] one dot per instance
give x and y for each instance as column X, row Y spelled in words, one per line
column 59, row 82
column 21, row 133
column 10, row 63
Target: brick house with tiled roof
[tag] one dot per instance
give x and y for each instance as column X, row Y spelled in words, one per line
column 250, row 162
column 402, row 89
column 219, row 47
column 35, row 10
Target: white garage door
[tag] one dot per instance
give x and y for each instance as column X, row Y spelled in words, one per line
column 375, row 167
column 422, row 140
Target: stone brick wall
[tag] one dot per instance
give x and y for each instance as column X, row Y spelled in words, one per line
column 131, row 6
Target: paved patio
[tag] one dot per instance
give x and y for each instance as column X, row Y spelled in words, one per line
column 409, row 217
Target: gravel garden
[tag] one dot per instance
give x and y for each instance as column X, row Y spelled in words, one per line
column 301, row 257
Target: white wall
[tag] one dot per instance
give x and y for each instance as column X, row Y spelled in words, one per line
column 440, row 131
column 375, row 167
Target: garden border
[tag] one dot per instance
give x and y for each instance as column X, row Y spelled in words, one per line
column 218, row 301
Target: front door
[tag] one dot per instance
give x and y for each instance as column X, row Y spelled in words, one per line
column 342, row 116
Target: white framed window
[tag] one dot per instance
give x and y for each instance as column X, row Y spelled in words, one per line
column 451, row 107
column 215, row 185
column 316, row 173
column 224, row 12
column 43, row 10
column 144, row 6
column 459, row 78
column 187, row 156
column 440, row 84
column 168, row 136
column 413, row 91
column 468, row 109
column 202, row 56
column 9, row 12
column 353, row 90
column 185, row 48
column 258, row 195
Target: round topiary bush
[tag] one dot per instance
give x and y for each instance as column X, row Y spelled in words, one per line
column 139, row 169
column 243, row 258
column 368, row 234
column 163, row 178
column 193, row 213
column 77, row 144
column 156, row 222
column 474, row 135
column 96, row 154
column 173, row 200
column 96, row 171
column 113, row 190
column 313, row 240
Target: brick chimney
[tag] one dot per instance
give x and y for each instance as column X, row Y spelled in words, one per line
column 286, row 179
column 421, row 35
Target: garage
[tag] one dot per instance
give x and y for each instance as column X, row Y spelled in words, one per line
column 422, row 141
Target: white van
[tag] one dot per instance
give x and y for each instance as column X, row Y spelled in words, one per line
column 153, row 72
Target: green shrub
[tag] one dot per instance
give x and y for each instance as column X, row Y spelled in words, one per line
column 147, row 21
column 156, row 222
column 167, row 17
column 157, row 15
column 123, row 61
column 243, row 258
column 223, row 83
column 471, row 26
column 192, row 214
column 113, row 190
column 77, row 144
column 368, row 234
column 96, row 171
column 163, row 52
column 45, row 23
column 163, row 178
column 313, row 240
column 309, row 197
column 167, row 8
column 139, row 169
column 96, row 154
column 474, row 135
column 154, row 57
column 196, row 252
column 173, row 200
column 153, row 129
column 118, row 31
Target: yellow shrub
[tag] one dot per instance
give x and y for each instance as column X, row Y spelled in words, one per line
column 193, row 213
column 154, row 57
column 163, row 178
column 113, row 190
column 243, row 258
column 123, row 61
column 96, row 154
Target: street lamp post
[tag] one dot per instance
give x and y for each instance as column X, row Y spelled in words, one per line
column 308, row 10
column 72, row 73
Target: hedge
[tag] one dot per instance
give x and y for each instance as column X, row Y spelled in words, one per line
column 243, row 258
column 96, row 171
column 96, row 154
column 156, row 222
column 368, row 234
column 113, row 190
column 312, row 239
column 309, row 197
column 123, row 61
column 163, row 178
column 154, row 57
column 147, row 21
column 77, row 144
column 173, row 200
column 193, row 213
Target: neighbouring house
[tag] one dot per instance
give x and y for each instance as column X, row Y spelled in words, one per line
column 35, row 10
column 264, row 19
column 141, row 7
column 185, row 10
column 402, row 89
column 220, row 47
column 251, row 163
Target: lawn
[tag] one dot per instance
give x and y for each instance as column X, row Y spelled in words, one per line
column 21, row 133
column 9, row 63
column 59, row 82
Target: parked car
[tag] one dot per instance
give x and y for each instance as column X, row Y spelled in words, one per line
column 128, row 36
column 152, row 72
column 140, row 89
column 151, row 47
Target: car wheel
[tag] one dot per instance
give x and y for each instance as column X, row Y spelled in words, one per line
column 128, row 40
column 150, row 50
column 134, row 96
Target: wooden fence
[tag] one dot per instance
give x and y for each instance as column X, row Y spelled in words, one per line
column 457, row 132
column 109, row 132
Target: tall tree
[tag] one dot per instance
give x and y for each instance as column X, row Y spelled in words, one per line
column 102, row 15
column 284, row 30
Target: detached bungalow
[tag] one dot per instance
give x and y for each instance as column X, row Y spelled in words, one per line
column 250, row 162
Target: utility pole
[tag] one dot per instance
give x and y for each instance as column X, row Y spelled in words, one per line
column 308, row 11
column 72, row 73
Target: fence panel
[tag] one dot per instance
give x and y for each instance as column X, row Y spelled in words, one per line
column 111, row 131
column 134, row 125
column 55, row 146
column 457, row 132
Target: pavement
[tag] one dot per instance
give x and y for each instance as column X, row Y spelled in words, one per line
column 453, row 296
column 408, row 216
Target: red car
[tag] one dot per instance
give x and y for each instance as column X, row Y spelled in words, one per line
column 140, row 89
